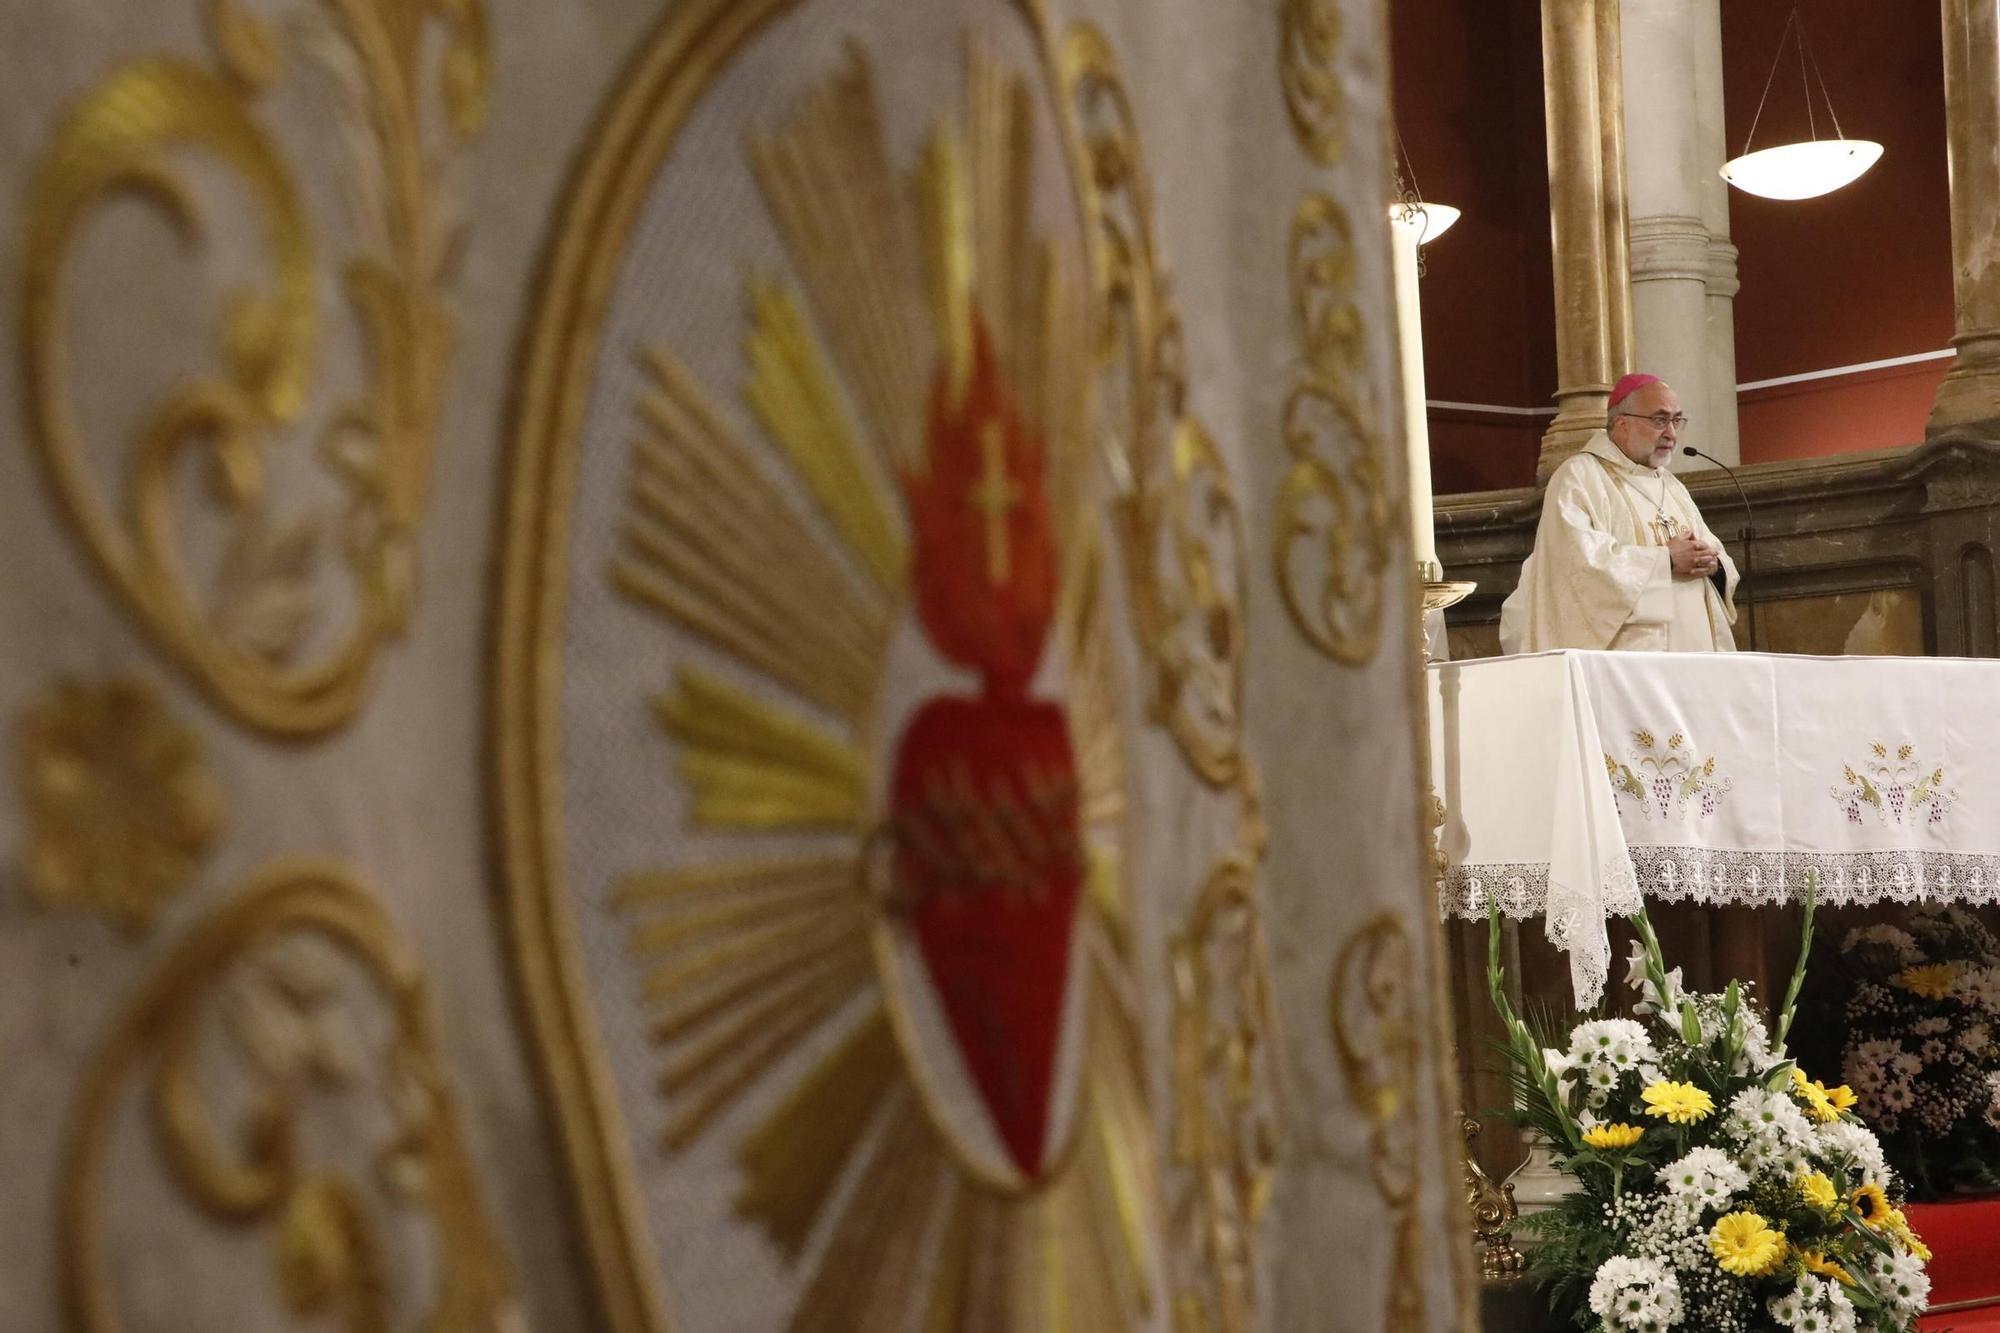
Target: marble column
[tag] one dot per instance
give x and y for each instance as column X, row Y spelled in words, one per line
column 1683, row 267
column 1968, row 402
column 1585, row 213
column 1720, row 434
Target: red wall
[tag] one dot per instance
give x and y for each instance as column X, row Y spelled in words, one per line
column 1860, row 275
column 1468, row 89
column 1839, row 416
column 1473, row 451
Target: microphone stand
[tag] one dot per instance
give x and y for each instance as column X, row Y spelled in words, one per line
column 1747, row 536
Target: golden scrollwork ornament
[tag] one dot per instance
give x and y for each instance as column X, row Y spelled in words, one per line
column 1225, row 1114
column 1334, row 530
column 232, row 597
column 120, row 807
column 1181, row 529
column 1493, row 1212
column 324, row 1008
column 1376, row 1033
column 1179, row 520
column 1309, row 33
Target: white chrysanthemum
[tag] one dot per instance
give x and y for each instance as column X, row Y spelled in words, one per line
column 1851, row 1148
column 1769, row 1130
column 1900, row 1280
column 1635, row 1294
column 1614, row 1041
column 1815, row 1305
column 1706, row 1174
column 1898, row 942
column 1978, row 986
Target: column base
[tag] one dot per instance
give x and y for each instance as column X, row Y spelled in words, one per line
column 1968, row 402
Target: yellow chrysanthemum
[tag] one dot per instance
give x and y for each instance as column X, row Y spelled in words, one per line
column 1818, row 1191
column 1823, row 1104
column 1679, row 1103
column 1872, row 1204
column 1613, row 1136
column 1898, row 1226
column 1744, row 1244
column 1816, row 1262
column 1933, row 981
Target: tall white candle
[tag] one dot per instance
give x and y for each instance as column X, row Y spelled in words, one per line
column 1416, row 428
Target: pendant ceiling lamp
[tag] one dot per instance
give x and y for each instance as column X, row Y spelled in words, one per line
column 1410, row 212
column 1800, row 170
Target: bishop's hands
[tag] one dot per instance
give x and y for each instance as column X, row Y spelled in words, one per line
column 1693, row 558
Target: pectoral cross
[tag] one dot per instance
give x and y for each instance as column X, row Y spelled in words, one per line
column 995, row 497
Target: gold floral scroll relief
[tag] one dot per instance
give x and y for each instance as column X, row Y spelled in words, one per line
column 120, row 809
column 1225, row 1116
column 278, row 987
column 1178, row 517
column 1334, row 529
column 1182, row 532
column 1309, row 33
column 247, row 624
column 1375, row 1020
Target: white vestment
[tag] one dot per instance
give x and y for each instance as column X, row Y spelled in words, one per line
column 1600, row 575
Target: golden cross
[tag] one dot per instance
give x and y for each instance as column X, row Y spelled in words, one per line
column 994, row 496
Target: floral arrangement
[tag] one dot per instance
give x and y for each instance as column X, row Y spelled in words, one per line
column 1719, row 1188
column 1921, row 1046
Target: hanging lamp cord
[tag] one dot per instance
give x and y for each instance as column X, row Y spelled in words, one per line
column 1795, row 28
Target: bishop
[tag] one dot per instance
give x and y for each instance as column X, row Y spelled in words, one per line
column 1622, row 558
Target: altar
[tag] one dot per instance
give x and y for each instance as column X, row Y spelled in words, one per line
column 1573, row 783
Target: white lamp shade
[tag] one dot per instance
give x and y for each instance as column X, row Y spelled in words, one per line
column 1801, row 170
column 1430, row 222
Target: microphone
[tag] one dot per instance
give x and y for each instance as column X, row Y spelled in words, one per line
column 1746, row 536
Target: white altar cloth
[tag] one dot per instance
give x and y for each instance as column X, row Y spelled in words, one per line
column 1573, row 782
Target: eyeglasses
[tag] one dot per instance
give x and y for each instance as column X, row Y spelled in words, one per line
column 1660, row 420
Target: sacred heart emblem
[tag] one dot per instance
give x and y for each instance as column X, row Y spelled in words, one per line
column 988, row 853
column 819, row 766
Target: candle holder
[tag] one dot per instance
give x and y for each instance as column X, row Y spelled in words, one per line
column 1439, row 593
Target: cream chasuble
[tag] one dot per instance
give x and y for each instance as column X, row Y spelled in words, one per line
column 1600, row 575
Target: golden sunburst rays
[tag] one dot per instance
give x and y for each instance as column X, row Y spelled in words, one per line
column 712, row 542
column 785, row 552
column 827, row 180
column 917, row 1243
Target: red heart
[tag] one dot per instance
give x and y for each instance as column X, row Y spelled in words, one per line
column 989, row 861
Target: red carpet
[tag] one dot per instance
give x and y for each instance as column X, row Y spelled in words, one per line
column 1964, row 1237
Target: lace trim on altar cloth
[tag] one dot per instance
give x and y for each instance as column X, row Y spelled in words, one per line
column 1717, row 878
column 1574, row 922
